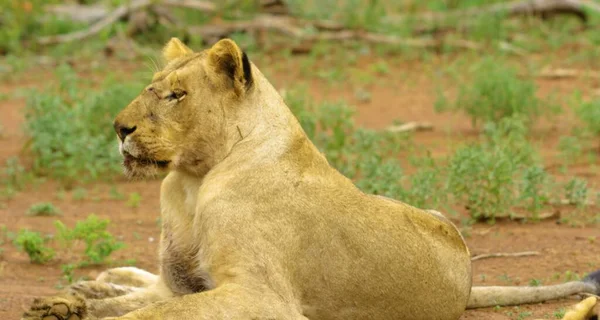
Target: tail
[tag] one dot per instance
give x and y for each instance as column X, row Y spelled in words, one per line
column 482, row 297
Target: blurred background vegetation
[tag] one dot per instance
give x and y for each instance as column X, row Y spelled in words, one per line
column 485, row 56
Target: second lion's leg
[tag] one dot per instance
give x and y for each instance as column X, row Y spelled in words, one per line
column 116, row 306
column 128, row 276
column 115, row 282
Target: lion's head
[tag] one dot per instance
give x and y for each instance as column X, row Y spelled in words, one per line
column 191, row 114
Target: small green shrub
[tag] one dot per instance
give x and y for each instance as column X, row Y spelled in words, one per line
column 496, row 92
column 43, row 209
column 70, row 127
column 483, row 179
column 14, row 177
column 68, row 271
column 99, row 243
column 79, row 194
column 576, row 192
column 23, row 20
column 570, row 148
column 493, row 175
column 114, row 194
column 425, row 187
column 134, row 200
column 589, row 113
column 534, row 190
column 33, row 244
column 535, row 283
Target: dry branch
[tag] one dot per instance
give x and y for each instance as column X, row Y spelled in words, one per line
column 119, row 13
column 543, row 8
column 503, row 254
column 203, row 6
column 108, row 20
column 570, row 203
column 295, row 28
column 411, row 126
column 561, row 73
column 77, row 12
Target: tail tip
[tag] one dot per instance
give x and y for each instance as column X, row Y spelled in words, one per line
column 594, row 278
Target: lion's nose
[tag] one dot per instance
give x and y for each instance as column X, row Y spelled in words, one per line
column 123, row 131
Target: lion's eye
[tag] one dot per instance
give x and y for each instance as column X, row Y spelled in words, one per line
column 176, row 95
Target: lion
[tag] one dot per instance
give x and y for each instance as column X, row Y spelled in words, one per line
column 257, row 225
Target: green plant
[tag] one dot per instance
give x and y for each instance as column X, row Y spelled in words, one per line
column 589, row 113
column 68, row 271
column 70, row 127
column 524, row 314
column 14, row 177
column 535, row 283
column 486, row 175
column 571, row 276
column 534, row 188
column 115, row 194
column 99, row 243
column 560, row 313
column 381, row 67
column 576, row 191
column 23, row 20
column 483, row 179
column 33, row 244
column 134, row 200
column 43, row 209
column 79, row 193
column 425, row 187
column 496, row 92
column 570, row 149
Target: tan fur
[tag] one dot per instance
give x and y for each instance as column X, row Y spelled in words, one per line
column 257, row 225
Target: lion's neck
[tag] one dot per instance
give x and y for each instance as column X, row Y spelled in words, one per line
column 265, row 126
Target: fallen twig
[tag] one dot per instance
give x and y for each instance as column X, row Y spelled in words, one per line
column 568, row 202
column 560, row 73
column 296, row 28
column 411, row 126
column 503, row 254
column 203, row 6
column 108, row 20
column 542, row 8
column 77, row 12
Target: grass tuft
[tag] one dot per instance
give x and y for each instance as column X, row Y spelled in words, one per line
column 70, row 127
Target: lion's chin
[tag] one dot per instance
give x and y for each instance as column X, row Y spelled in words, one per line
column 143, row 167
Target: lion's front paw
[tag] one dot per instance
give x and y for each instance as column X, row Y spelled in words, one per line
column 65, row 307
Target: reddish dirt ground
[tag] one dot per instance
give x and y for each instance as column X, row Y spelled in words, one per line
column 562, row 248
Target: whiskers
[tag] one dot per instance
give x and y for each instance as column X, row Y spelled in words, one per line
column 154, row 65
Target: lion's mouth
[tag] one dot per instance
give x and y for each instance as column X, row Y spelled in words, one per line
column 129, row 160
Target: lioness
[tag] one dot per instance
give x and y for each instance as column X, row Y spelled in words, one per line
column 257, row 225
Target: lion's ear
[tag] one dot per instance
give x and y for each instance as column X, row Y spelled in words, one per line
column 175, row 49
column 231, row 65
